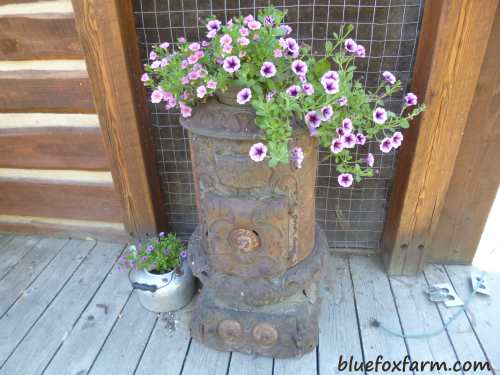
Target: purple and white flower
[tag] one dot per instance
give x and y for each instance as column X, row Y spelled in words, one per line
column 244, row 31
column 156, row 96
column 231, row 64
column 214, row 25
column 386, row 145
column 194, row 75
column 248, row 19
column 254, row 25
column 360, row 139
column 299, row 67
column 389, row 77
column 165, row 45
column 269, row 21
column 212, row 85
column 152, row 55
column 379, row 115
column 201, row 91
column 164, row 62
column 308, row 88
column 244, row 96
column 312, row 119
column 155, row 64
column 194, row 47
column 226, row 39
column 360, row 51
column 145, row 77
column 411, row 99
column 330, row 86
column 345, row 179
column 326, row 113
column 268, row 69
column 186, row 111
column 185, row 80
column 337, row 145
column 227, row 48
column 293, row 91
column 181, row 40
column 341, row 132
column 350, row 45
column 397, row 139
column 347, row 125
column 370, row 160
column 270, row 96
column 287, row 29
column 243, row 41
column 184, row 254
column 331, row 74
column 297, row 157
column 211, row 34
column 278, row 53
column 342, row 101
column 258, row 152
column 292, row 47
column 349, row 140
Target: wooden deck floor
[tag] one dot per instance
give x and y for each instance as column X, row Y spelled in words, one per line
column 63, row 310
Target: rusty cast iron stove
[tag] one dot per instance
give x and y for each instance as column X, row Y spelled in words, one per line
column 257, row 250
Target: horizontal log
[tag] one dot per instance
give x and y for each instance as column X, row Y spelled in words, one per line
column 45, row 91
column 46, row 36
column 63, row 147
column 83, row 229
column 61, row 194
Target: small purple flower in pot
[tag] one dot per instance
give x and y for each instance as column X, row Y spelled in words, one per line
column 254, row 25
column 258, row 152
column 155, row 64
column 244, row 31
column 297, row 157
column 299, row 67
column 360, row 139
column 201, row 91
column 156, row 96
column 308, row 88
column 278, row 53
column 292, row 47
column 226, row 39
column 342, row 101
column 287, row 29
column 411, row 99
column 336, row 146
column 149, row 249
column 243, row 41
column 212, row 85
column 269, row 21
column 244, row 96
column 186, row 111
column 347, row 125
column 184, row 254
column 194, row 47
column 340, row 132
column 389, row 77
column 386, row 145
column 331, row 74
column 165, row 45
column 268, row 69
column 350, row 45
column 227, row 49
column 312, row 119
column 349, row 140
column 360, row 51
column 326, row 113
column 181, row 40
column 161, row 234
column 214, row 25
column 152, row 55
column 379, row 115
column 231, row 64
column 397, row 139
column 330, row 86
column 248, row 19
column 345, row 179
column 145, row 77
column 270, row 96
column 370, row 160
column 293, row 91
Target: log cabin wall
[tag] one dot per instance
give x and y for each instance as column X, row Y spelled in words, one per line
column 54, row 172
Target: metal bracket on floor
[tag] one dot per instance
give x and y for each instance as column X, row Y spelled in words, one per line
column 444, row 293
column 479, row 281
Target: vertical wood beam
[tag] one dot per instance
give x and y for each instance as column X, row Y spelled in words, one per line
column 107, row 33
column 476, row 176
column 451, row 49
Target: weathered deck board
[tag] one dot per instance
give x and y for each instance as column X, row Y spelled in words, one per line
column 483, row 312
column 199, row 360
column 26, row 311
column 243, row 364
column 463, row 338
column 419, row 316
column 40, row 344
column 83, row 343
column 374, row 300
column 338, row 326
column 15, row 250
column 126, row 342
column 27, row 270
column 304, row 365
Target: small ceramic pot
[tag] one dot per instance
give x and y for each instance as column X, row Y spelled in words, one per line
column 164, row 292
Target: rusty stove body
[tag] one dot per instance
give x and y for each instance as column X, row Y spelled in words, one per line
column 257, row 250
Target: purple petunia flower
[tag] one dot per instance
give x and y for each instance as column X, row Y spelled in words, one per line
column 299, row 67
column 152, row 55
column 397, row 139
column 342, row 101
column 350, row 45
column 292, row 47
column 165, row 45
column 254, row 25
column 287, row 29
column 226, row 39
column 293, row 91
column 248, row 19
column 231, row 64
column 211, row 34
column 244, row 31
column 212, row 85
column 161, row 234
column 214, row 25
column 194, row 47
column 370, row 160
column 186, row 111
column 184, row 254
column 379, row 115
column 326, row 113
column 347, row 125
column 149, row 249
column 194, row 75
column 181, row 40
column 341, row 132
column 312, row 119
column 155, row 64
column 386, row 145
column 278, row 53
column 345, row 179
column 389, row 77
column 258, row 152
column 243, row 41
column 269, row 21
column 270, row 95
column 360, row 51
column 411, row 99
column 308, row 88
column 156, row 96
column 360, row 139
column 331, row 74
column 227, row 49
column 164, row 62
column 244, row 96
column 297, row 157
column 349, row 140
column 201, row 91
column 330, row 86
column 268, row 69
column 145, row 77
column 337, row 145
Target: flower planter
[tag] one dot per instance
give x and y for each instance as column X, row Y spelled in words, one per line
column 164, row 292
column 257, row 249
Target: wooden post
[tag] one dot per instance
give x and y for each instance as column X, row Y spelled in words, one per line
column 476, row 177
column 452, row 45
column 107, row 33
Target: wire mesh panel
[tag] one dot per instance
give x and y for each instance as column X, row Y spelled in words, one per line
column 353, row 217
